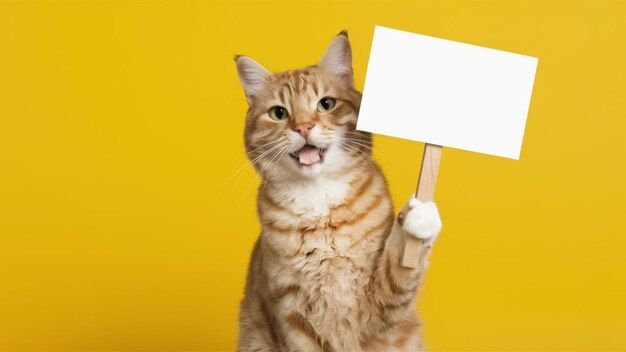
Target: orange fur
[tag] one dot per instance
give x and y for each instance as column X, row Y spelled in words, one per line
column 324, row 273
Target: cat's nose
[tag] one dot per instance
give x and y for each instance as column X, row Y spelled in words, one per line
column 303, row 128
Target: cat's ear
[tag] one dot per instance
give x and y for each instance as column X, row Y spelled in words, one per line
column 252, row 75
column 338, row 57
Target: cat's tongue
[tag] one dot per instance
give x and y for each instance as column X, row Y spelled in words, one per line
column 309, row 155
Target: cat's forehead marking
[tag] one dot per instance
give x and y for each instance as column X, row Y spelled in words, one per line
column 297, row 89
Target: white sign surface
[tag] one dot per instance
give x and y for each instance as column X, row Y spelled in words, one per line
column 446, row 93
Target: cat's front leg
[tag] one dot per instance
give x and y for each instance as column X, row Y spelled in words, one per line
column 421, row 220
column 395, row 286
column 418, row 219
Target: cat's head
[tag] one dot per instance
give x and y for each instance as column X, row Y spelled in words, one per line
column 301, row 123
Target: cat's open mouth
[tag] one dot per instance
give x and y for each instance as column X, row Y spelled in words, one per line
column 309, row 155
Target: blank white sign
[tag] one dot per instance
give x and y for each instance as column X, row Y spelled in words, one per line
column 446, row 93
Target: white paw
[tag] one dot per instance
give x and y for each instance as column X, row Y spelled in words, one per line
column 422, row 220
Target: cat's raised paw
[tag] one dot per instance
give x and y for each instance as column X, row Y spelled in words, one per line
column 422, row 219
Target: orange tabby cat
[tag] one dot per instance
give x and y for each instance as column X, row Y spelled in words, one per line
column 324, row 273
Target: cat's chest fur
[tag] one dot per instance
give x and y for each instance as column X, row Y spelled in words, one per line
column 312, row 208
column 312, row 200
column 334, row 271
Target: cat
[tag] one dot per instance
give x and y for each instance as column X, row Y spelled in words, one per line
column 324, row 273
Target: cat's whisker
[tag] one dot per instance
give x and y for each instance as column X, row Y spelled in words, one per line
column 364, row 144
column 357, row 145
column 282, row 150
column 355, row 136
column 273, row 149
column 360, row 143
column 260, row 157
column 274, row 157
column 245, row 195
column 252, row 162
column 395, row 141
column 358, row 153
column 361, row 152
column 244, row 168
column 358, row 133
column 264, row 145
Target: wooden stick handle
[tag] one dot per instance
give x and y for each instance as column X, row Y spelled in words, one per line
column 425, row 193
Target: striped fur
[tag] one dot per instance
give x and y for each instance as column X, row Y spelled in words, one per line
column 324, row 273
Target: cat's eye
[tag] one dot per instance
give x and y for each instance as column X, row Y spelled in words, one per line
column 326, row 104
column 278, row 113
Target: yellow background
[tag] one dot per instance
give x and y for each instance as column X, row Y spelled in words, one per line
column 121, row 123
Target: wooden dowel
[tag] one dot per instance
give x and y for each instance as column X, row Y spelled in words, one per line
column 425, row 193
